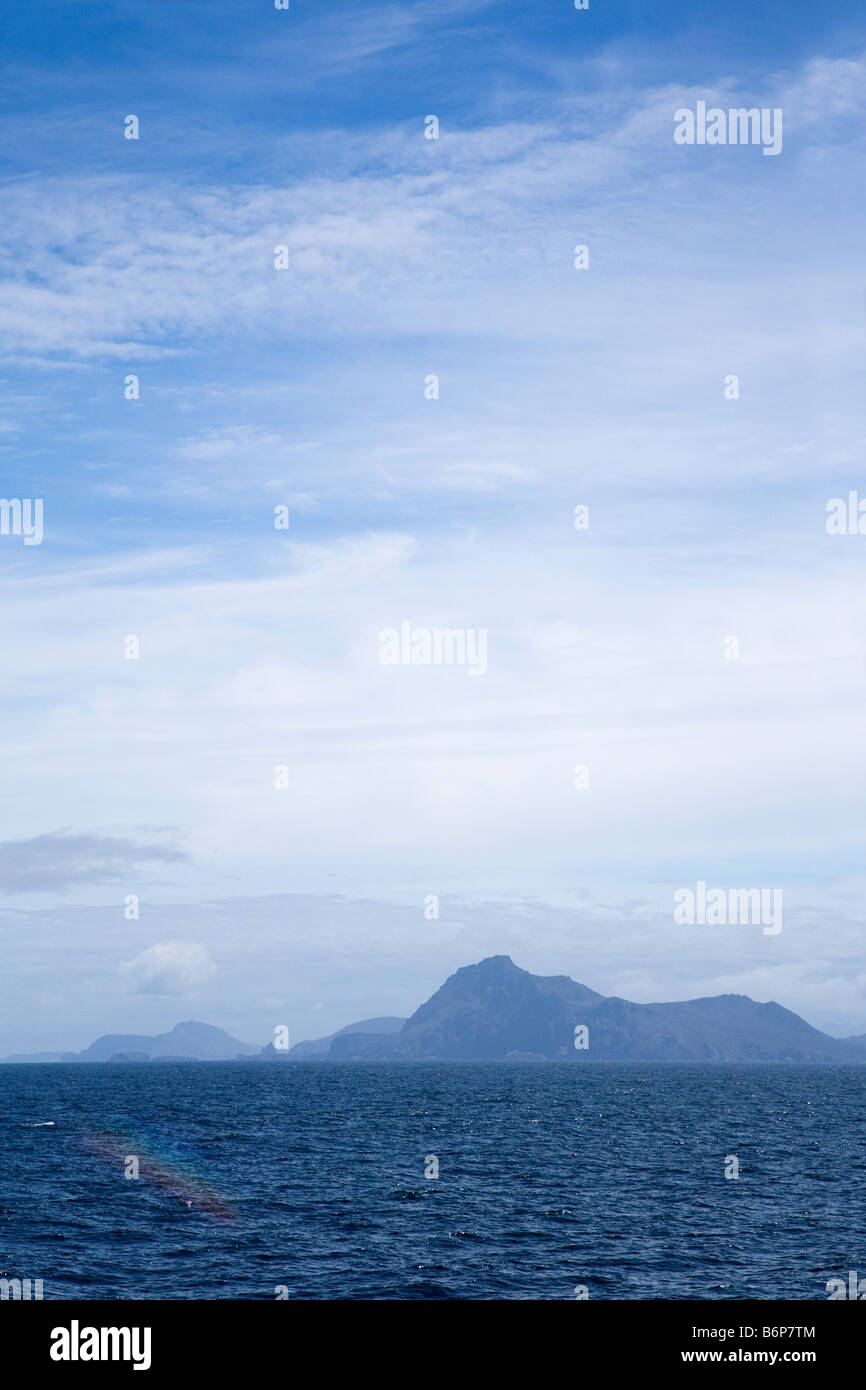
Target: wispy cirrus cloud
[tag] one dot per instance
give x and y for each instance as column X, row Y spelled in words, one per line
column 402, row 233
column 411, row 257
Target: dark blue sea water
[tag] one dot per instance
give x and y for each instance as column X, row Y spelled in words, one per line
column 550, row 1177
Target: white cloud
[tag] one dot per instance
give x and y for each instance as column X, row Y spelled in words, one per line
column 604, row 648
column 427, row 243
column 169, row 967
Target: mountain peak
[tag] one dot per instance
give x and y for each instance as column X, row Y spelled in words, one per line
column 494, row 1010
column 199, row 1041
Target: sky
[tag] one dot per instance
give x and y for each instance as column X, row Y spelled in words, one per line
column 308, row 388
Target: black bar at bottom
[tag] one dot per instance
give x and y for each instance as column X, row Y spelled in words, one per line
column 227, row 1337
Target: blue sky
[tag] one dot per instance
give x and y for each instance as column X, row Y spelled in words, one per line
column 306, row 388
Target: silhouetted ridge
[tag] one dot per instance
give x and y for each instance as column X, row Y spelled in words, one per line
column 494, row 1011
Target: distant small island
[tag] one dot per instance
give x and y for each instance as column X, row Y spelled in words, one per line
column 496, row 1012
column 187, row 1042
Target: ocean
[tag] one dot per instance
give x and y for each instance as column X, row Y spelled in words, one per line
column 307, row 1181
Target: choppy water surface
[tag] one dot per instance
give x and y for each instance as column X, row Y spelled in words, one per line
column 312, row 1177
